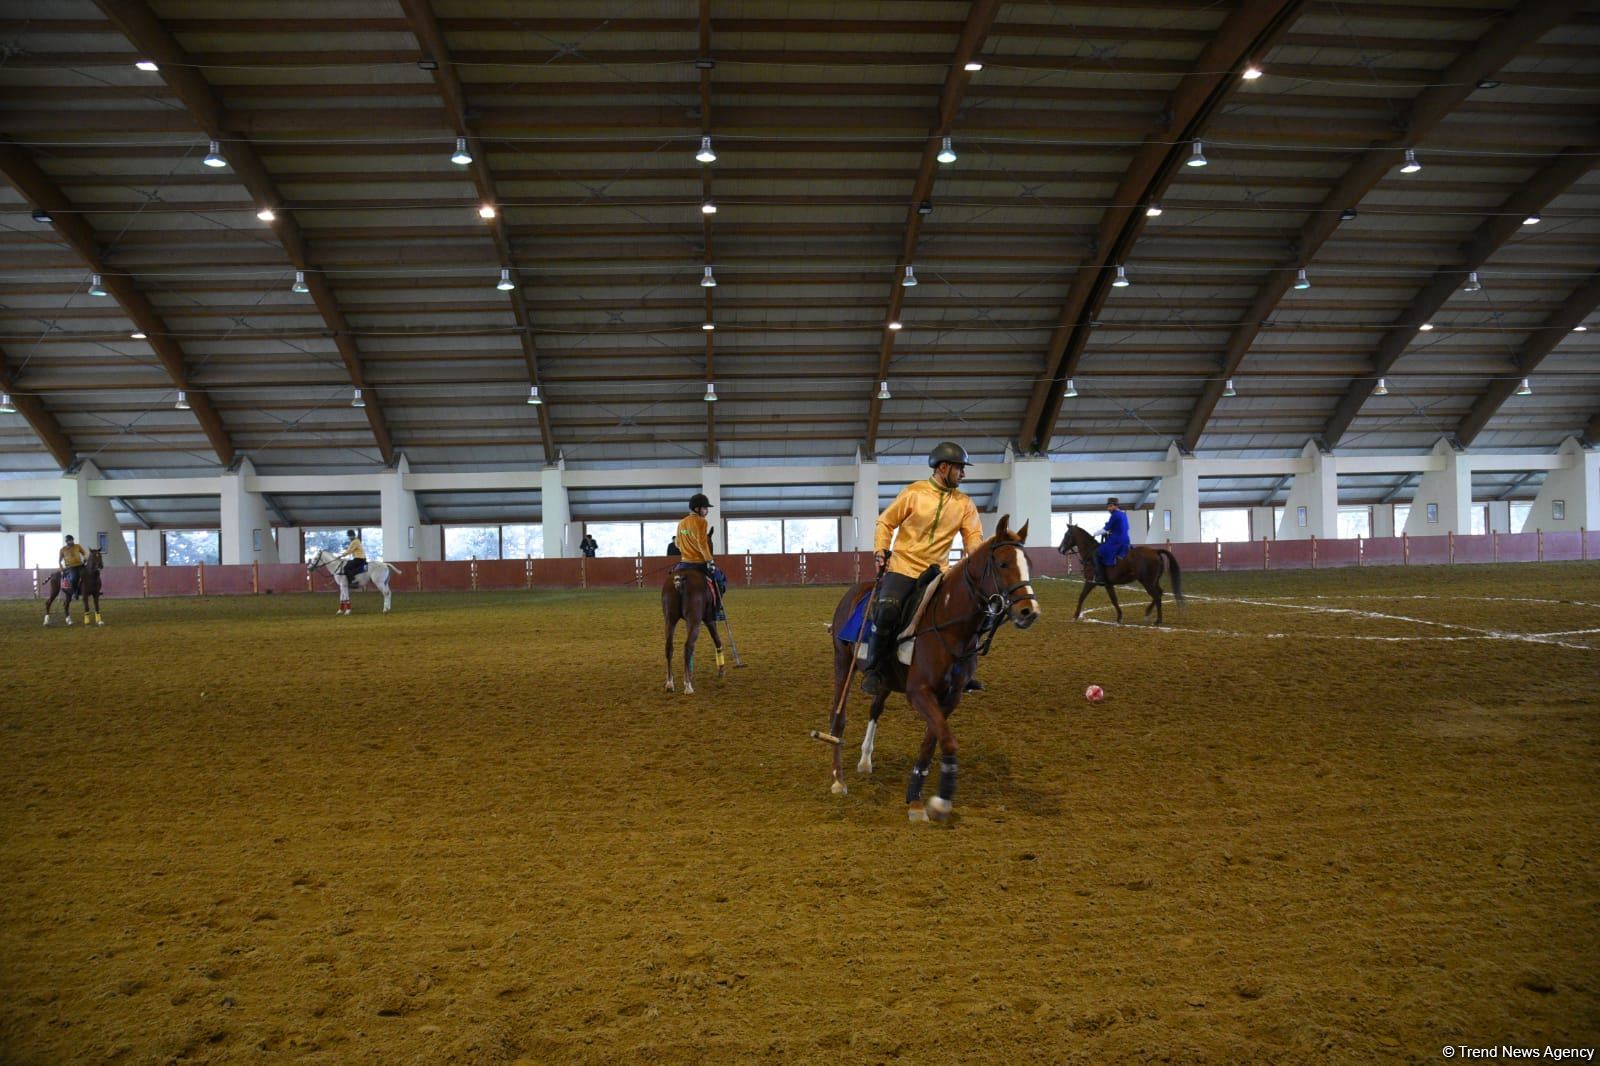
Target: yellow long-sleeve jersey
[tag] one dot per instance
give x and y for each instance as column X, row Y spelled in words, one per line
column 928, row 516
column 694, row 539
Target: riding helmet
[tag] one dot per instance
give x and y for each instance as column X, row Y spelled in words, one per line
column 699, row 500
column 948, row 452
column 69, row 538
column 350, row 533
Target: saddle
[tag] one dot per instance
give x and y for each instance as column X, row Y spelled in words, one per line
column 911, row 612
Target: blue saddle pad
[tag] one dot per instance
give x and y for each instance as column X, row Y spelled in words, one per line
column 852, row 628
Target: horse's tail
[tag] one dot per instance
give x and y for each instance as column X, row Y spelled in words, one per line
column 393, row 567
column 1175, row 570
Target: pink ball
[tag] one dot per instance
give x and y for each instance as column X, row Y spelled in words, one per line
column 1094, row 693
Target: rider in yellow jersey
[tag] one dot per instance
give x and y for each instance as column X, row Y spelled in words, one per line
column 72, row 558
column 356, row 554
column 922, row 523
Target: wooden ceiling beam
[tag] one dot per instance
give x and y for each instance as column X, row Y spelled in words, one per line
column 140, row 25
column 1541, row 343
column 39, row 419
column 1249, row 32
column 36, row 187
column 424, row 26
column 1497, row 47
column 975, row 30
column 1490, row 236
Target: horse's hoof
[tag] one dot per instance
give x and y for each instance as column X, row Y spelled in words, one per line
column 688, row 689
column 838, row 788
column 865, row 765
column 916, row 814
column 47, row 621
column 670, row 687
column 939, row 807
column 99, row 623
column 68, row 621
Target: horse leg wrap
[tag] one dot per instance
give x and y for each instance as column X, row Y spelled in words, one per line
column 720, row 660
column 919, row 775
column 947, row 779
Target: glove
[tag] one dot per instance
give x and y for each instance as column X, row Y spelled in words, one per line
column 882, row 559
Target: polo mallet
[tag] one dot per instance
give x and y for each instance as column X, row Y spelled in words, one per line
column 850, row 671
column 733, row 644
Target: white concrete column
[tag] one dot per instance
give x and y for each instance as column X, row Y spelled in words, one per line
column 1316, row 490
column 147, row 545
column 560, row 537
column 1499, row 516
column 1383, row 520
column 1576, row 487
column 1025, row 496
column 401, row 520
column 289, row 545
column 90, row 518
column 1177, row 506
column 1261, row 523
column 711, row 485
column 246, row 525
column 10, row 550
column 863, row 506
column 1449, row 491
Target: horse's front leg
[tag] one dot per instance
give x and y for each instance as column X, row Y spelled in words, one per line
column 97, row 619
column 868, row 741
column 344, row 593
column 937, row 734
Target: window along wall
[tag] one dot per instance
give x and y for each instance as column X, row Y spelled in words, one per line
column 776, row 536
column 521, row 541
column 334, row 540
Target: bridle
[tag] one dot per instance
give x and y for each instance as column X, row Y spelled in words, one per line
column 995, row 608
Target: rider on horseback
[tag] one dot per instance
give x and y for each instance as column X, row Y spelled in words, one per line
column 72, row 558
column 927, row 515
column 694, row 545
column 1114, row 542
column 356, row 554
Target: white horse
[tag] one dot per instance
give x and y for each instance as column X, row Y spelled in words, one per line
column 375, row 576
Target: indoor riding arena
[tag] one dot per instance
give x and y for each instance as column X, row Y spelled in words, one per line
column 381, row 380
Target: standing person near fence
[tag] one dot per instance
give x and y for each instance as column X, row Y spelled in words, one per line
column 921, row 524
column 588, row 546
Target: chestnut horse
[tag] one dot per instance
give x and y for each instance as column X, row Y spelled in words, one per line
column 685, row 595
column 979, row 595
column 88, row 587
column 1142, row 564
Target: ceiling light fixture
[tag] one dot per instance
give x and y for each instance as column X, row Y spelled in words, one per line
column 947, row 152
column 1301, row 281
column 1472, row 284
column 1072, row 389
column 1197, row 156
column 711, row 392
column 1411, row 166
column 6, row 406
column 266, row 214
column 708, row 280
column 1580, row 328
column 910, row 280
column 183, row 401
column 883, row 391
column 299, row 282
column 487, row 211
column 1524, row 389
column 1347, row 215
column 1227, row 388
column 708, row 208
column 896, row 326
column 705, row 154
column 43, row 217
column 534, row 399
column 1251, row 72
column 95, row 287
column 973, row 66
column 709, row 327
column 147, row 66
column 1488, row 83
column 925, row 208
column 1121, row 280
column 1426, row 327
column 356, row 400
column 214, row 156
column 1532, row 220
column 1153, row 211
column 461, row 156
column 137, row 335
column 1381, row 388
column 505, row 284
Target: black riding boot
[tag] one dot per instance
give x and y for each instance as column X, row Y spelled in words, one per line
column 1100, row 573
column 878, row 676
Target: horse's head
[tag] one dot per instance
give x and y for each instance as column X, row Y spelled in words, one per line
column 1079, row 540
column 1003, row 583
column 319, row 559
column 96, row 561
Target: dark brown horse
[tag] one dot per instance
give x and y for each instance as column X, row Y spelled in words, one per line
column 88, row 588
column 1142, row 564
column 685, row 595
column 980, row 594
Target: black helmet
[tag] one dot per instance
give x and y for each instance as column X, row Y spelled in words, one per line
column 948, row 452
column 350, row 533
column 69, row 538
column 699, row 500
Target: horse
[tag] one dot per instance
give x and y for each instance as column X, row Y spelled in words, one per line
column 979, row 595
column 685, row 596
column 1142, row 564
column 376, row 575
column 88, row 586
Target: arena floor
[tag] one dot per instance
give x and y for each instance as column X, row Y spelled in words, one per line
column 1340, row 816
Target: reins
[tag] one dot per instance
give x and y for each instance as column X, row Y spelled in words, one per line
column 995, row 609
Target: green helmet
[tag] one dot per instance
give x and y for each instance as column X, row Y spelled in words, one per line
column 948, row 452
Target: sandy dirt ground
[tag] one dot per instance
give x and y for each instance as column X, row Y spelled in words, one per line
column 1335, row 816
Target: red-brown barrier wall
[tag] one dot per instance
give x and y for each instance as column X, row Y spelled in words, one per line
column 821, row 568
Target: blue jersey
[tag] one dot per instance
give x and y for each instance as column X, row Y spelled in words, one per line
column 1115, row 542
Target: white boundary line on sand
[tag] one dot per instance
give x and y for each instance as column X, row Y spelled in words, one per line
column 1471, row 632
